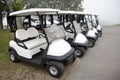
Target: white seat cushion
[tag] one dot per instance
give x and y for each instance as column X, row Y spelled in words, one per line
column 21, row 34
column 77, row 27
column 35, row 43
column 32, row 31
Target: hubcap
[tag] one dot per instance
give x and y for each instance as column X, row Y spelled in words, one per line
column 12, row 57
column 77, row 52
column 53, row 70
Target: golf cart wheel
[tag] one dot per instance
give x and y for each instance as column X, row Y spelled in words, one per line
column 55, row 69
column 99, row 34
column 74, row 58
column 79, row 51
column 91, row 42
column 13, row 56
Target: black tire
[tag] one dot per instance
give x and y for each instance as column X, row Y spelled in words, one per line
column 55, row 68
column 74, row 58
column 91, row 42
column 99, row 34
column 13, row 56
column 79, row 51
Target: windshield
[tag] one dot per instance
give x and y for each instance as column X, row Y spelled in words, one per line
column 54, row 32
column 77, row 27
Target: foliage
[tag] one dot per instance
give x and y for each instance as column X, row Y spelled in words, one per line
column 16, row 5
column 2, row 5
column 60, row 4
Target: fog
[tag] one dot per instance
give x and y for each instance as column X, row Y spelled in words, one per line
column 108, row 10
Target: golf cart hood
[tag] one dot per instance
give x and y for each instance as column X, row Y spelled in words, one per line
column 80, row 38
column 99, row 28
column 91, row 33
column 58, row 47
column 95, row 30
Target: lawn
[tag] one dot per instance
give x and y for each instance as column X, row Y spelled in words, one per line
column 20, row 70
column 5, row 36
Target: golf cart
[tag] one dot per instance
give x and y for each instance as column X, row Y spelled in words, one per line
column 72, row 25
column 91, row 23
column 97, row 25
column 73, row 34
column 78, row 41
column 39, row 47
column 90, row 34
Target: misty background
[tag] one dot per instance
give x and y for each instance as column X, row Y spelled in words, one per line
column 108, row 10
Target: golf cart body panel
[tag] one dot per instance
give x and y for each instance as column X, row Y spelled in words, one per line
column 91, row 34
column 95, row 30
column 99, row 28
column 59, row 48
column 81, row 39
column 29, row 47
column 26, row 53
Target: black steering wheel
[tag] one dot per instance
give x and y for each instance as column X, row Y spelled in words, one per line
column 69, row 29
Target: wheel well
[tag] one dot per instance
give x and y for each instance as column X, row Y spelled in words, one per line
column 91, row 38
column 10, row 48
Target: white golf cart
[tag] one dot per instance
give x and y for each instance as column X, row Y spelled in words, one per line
column 91, row 24
column 97, row 25
column 78, row 41
column 90, row 34
column 39, row 47
column 73, row 33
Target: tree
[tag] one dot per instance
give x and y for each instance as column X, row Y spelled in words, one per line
column 9, row 5
column 59, row 4
column 2, row 8
column 16, row 5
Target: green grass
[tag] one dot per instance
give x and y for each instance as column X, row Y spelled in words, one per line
column 8, row 68
column 5, row 37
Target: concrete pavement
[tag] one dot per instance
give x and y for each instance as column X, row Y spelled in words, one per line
column 101, row 62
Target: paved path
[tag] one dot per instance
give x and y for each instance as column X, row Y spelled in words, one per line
column 103, row 61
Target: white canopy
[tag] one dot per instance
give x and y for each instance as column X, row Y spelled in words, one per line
column 67, row 12
column 76, row 12
column 33, row 11
column 72, row 12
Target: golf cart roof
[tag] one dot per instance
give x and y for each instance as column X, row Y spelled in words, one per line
column 81, row 13
column 72, row 12
column 91, row 13
column 33, row 11
column 67, row 12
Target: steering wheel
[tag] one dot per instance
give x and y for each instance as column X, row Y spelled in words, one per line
column 69, row 28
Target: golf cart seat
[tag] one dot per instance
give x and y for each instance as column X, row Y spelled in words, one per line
column 77, row 27
column 56, row 22
column 29, row 38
